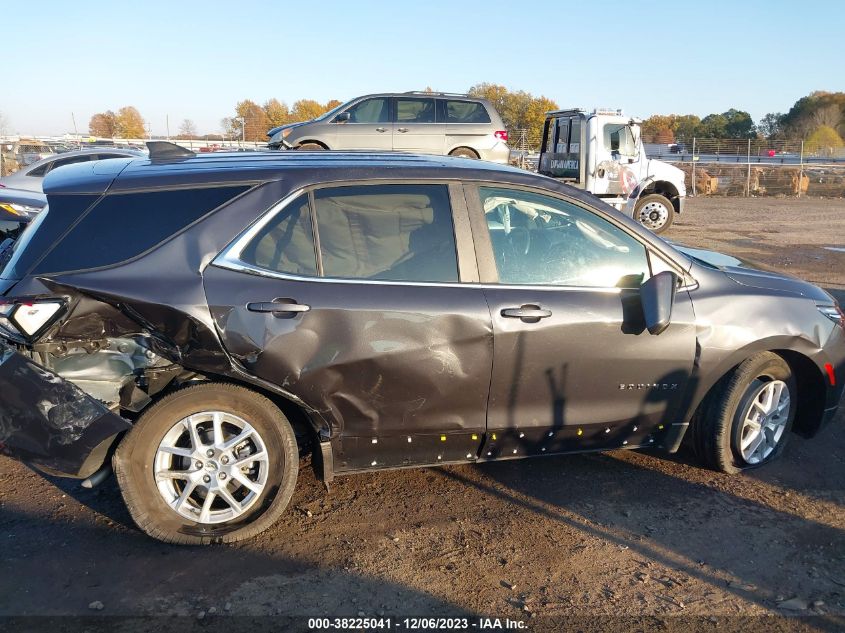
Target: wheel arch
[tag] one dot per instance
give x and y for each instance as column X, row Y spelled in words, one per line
column 809, row 380
column 466, row 147
column 811, row 392
column 665, row 189
column 311, row 140
column 311, row 429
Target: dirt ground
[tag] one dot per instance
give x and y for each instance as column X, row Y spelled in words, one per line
column 616, row 541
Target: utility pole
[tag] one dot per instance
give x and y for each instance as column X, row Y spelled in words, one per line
column 167, row 120
column 75, row 131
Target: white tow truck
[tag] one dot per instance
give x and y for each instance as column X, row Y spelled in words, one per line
column 602, row 152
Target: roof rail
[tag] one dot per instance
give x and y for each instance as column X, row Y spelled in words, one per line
column 165, row 150
column 436, row 94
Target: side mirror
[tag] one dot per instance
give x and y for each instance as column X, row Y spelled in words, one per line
column 343, row 117
column 657, row 296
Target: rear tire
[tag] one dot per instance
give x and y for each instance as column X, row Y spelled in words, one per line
column 655, row 212
column 732, row 431
column 464, row 152
column 167, row 473
column 311, row 147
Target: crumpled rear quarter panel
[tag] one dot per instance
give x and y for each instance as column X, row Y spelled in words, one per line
column 50, row 422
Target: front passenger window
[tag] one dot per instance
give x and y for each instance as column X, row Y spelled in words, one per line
column 539, row 240
column 370, row 111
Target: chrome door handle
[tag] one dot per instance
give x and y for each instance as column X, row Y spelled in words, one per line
column 402, row 129
column 381, row 129
column 526, row 312
column 276, row 306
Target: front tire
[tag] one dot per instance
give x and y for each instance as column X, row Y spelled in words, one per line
column 311, row 147
column 655, row 212
column 745, row 421
column 211, row 463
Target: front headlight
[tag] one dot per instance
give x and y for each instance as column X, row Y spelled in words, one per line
column 286, row 132
column 23, row 210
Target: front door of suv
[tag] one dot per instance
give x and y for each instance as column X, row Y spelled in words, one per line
column 368, row 126
column 574, row 368
column 375, row 334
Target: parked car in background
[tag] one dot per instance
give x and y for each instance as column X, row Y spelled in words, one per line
column 30, row 178
column 17, row 209
column 60, row 147
column 416, row 122
column 29, row 151
column 17, row 154
column 210, row 316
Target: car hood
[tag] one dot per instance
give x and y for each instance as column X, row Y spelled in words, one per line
column 287, row 126
column 754, row 275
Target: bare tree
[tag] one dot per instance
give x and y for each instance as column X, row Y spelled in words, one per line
column 2, row 124
column 187, row 130
column 829, row 115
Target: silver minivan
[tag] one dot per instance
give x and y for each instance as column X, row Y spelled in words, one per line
column 418, row 122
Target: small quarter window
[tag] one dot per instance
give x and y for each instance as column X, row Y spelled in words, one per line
column 286, row 244
column 387, row 232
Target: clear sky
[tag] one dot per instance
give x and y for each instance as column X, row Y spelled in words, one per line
column 195, row 60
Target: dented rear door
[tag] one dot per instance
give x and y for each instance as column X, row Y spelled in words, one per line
column 399, row 359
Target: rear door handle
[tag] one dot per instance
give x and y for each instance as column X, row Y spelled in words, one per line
column 381, row 129
column 526, row 313
column 277, row 307
column 402, row 129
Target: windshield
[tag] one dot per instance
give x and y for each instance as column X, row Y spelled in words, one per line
column 9, row 270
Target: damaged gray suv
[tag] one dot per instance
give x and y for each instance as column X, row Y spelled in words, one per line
column 197, row 323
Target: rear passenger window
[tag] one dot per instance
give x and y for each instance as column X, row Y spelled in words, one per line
column 387, row 232
column 286, row 244
column 466, row 112
column 72, row 160
column 121, row 226
column 39, row 171
column 414, row 110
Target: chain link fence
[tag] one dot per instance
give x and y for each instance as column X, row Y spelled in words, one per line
column 756, row 167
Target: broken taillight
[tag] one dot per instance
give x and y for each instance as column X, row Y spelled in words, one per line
column 28, row 320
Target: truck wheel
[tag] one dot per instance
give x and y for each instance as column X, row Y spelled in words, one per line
column 310, row 147
column 212, row 463
column 655, row 212
column 463, row 152
column 746, row 419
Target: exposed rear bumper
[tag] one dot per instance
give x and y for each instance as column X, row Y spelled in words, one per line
column 50, row 422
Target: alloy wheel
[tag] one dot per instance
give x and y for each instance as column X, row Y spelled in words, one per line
column 764, row 421
column 211, row 467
